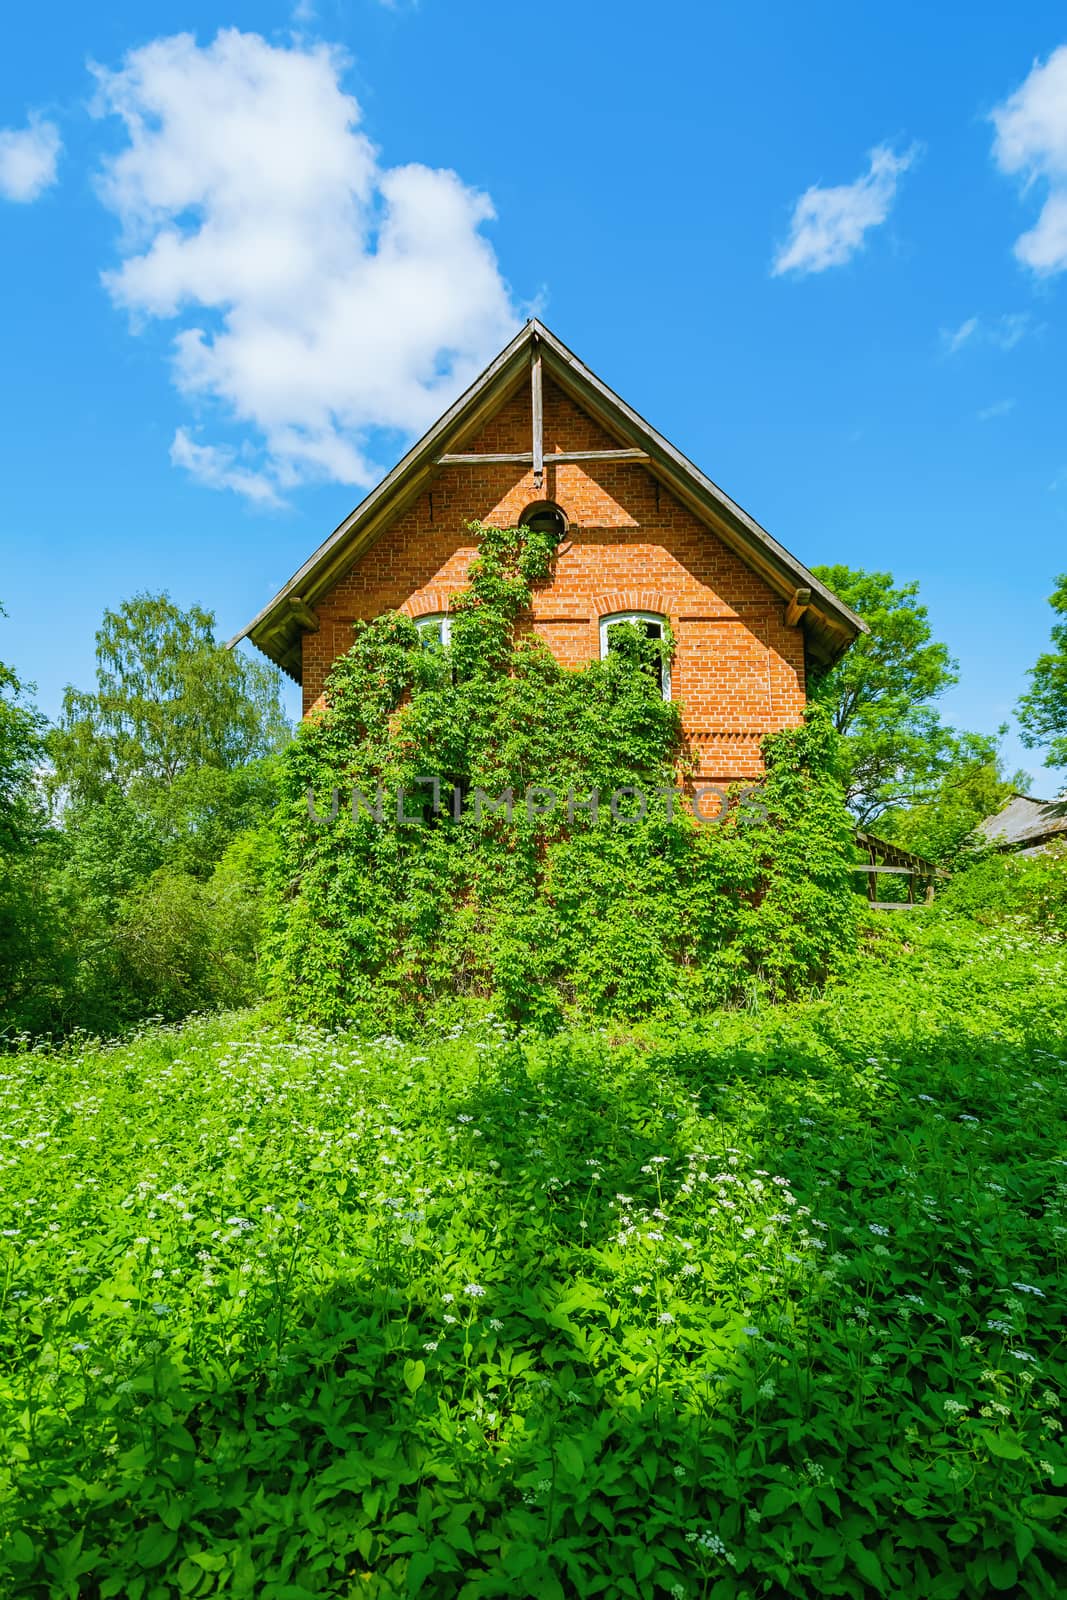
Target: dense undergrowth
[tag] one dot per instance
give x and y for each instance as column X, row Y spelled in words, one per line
column 766, row 1305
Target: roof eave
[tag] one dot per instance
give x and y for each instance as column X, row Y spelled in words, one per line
column 402, row 485
column 829, row 625
column 751, row 541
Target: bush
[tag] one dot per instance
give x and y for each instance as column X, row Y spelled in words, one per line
column 1002, row 885
column 140, row 903
column 36, row 962
column 539, row 913
column 107, row 936
column 181, row 945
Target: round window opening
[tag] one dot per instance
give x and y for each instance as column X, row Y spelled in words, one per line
column 545, row 517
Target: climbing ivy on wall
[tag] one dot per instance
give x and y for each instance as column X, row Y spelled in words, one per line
column 437, row 849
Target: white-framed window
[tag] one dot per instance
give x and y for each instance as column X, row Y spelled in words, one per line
column 435, row 630
column 654, row 627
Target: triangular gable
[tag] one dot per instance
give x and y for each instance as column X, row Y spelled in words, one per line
column 829, row 625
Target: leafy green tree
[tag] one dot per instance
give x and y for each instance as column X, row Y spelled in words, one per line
column 27, row 932
column 161, row 771
column 1042, row 710
column 206, row 808
column 182, row 944
column 880, row 695
column 21, row 755
column 110, row 848
column 942, row 826
column 168, row 701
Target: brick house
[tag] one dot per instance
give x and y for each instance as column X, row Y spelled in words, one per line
column 644, row 536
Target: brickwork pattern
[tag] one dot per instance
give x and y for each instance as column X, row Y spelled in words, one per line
column 738, row 670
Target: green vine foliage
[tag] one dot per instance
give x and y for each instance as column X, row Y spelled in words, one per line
column 553, row 910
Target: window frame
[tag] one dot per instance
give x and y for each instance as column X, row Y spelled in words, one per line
column 540, row 508
column 613, row 617
column 442, row 619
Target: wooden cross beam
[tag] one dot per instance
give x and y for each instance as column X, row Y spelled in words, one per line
column 525, row 458
column 537, row 408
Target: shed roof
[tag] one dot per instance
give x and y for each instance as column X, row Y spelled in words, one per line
column 829, row 625
column 1026, row 821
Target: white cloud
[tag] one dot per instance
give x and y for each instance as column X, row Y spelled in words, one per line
column 216, row 466
column 28, row 159
column 829, row 224
column 1031, row 142
column 954, row 339
column 319, row 295
column 1005, row 332
column 999, row 409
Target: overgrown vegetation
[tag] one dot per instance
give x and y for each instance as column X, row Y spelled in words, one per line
column 132, row 834
column 1013, row 890
column 906, row 772
column 136, row 839
column 762, row 1305
column 550, row 907
column 720, row 1303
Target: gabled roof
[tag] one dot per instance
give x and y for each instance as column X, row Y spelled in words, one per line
column 829, row 625
column 1026, row 822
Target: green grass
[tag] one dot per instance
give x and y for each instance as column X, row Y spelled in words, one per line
column 766, row 1306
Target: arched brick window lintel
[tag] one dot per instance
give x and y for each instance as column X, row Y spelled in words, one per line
column 650, row 600
column 430, row 602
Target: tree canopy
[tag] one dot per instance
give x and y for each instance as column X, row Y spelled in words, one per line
column 1042, row 710
column 881, row 696
column 942, row 825
column 168, row 701
column 140, row 895
column 21, row 753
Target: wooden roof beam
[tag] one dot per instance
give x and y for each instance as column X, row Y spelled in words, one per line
column 797, row 606
column 525, row 458
column 566, row 457
column 537, row 410
column 486, row 458
column 302, row 614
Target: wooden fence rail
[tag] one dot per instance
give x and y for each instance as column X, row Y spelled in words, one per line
column 886, row 859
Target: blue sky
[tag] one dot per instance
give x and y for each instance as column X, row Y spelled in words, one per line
column 823, row 249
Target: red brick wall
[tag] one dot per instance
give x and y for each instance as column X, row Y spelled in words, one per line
column 738, row 670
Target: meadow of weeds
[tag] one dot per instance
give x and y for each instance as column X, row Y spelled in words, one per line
column 764, row 1305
